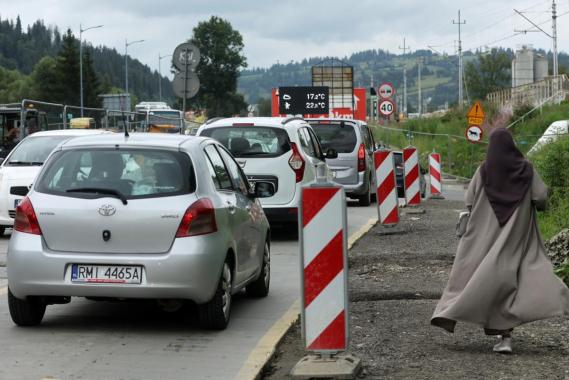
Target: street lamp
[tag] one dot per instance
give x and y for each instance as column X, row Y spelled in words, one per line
column 81, row 30
column 126, row 45
column 160, row 57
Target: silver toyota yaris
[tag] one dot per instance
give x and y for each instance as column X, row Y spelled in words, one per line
column 143, row 216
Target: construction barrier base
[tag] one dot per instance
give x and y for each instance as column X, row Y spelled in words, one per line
column 340, row 366
column 414, row 210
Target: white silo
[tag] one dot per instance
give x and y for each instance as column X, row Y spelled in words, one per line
column 522, row 67
column 541, row 68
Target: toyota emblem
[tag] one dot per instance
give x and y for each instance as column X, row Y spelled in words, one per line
column 107, row 210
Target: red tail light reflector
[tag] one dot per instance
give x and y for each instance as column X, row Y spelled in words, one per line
column 361, row 158
column 199, row 219
column 26, row 220
column 296, row 162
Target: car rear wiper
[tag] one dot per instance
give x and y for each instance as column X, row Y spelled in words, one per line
column 25, row 163
column 100, row 190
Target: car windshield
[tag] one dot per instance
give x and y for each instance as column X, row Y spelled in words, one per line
column 341, row 137
column 164, row 118
column 34, row 150
column 251, row 141
column 129, row 173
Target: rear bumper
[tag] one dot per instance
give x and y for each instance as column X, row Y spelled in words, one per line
column 357, row 189
column 187, row 271
column 281, row 215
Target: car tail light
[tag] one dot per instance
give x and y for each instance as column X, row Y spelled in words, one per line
column 361, row 158
column 199, row 219
column 26, row 220
column 296, row 162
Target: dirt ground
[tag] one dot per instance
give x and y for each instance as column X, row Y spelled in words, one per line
column 395, row 282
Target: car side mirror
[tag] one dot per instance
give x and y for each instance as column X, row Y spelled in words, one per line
column 263, row 189
column 331, row 154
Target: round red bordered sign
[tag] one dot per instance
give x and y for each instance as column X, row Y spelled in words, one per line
column 474, row 134
column 386, row 107
column 386, row 91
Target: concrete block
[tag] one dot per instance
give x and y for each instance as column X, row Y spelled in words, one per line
column 339, row 366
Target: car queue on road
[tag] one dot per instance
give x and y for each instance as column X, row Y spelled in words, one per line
column 167, row 217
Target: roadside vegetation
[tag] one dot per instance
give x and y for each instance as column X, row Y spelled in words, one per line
column 461, row 158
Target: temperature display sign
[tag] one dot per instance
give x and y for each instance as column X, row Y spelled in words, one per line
column 304, row 100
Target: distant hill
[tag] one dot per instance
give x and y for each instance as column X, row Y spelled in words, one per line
column 439, row 74
column 21, row 49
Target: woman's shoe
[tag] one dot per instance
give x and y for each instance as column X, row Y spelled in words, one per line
column 505, row 346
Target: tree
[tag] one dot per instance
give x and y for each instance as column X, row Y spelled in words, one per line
column 264, row 106
column 492, row 72
column 221, row 49
column 46, row 83
column 67, row 68
column 91, row 84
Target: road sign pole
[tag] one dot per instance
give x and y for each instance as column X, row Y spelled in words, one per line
column 185, row 80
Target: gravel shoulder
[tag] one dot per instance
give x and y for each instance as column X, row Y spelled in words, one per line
column 395, row 282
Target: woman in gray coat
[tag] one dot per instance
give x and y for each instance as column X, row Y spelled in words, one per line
column 501, row 276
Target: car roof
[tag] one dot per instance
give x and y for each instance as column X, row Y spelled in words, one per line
column 135, row 139
column 71, row 132
column 257, row 121
column 335, row 119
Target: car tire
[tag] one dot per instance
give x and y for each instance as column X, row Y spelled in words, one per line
column 215, row 314
column 260, row 287
column 365, row 200
column 28, row 312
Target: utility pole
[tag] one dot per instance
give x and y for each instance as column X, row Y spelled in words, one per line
column 460, row 70
column 160, row 57
column 554, row 30
column 81, row 31
column 126, row 45
column 404, row 48
column 420, row 100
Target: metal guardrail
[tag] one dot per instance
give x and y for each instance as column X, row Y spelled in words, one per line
column 550, row 90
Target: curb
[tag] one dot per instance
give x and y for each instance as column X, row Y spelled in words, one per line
column 267, row 345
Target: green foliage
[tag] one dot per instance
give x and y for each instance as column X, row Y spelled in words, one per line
column 552, row 162
column 491, row 72
column 563, row 272
column 264, row 105
column 23, row 48
column 221, row 49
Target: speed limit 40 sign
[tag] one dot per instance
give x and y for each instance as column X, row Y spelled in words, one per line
column 386, row 107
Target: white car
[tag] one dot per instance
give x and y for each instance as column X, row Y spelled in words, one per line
column 22, row 165
column 283, row 151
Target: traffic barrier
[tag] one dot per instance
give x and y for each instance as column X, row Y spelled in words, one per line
column 412, row 180
column 324, row 273
column 435, row 174
column 387, row 200
column 323, row 255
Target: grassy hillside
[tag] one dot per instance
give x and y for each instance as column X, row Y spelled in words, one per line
column 446, row 136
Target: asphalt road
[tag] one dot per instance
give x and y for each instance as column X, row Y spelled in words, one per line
column 135, row 340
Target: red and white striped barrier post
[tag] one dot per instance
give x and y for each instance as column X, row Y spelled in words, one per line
column 324, row 275
column 412, row 173
column 387, row 200
column 435, row 175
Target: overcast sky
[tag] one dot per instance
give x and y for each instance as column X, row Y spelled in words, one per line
column 284, row 30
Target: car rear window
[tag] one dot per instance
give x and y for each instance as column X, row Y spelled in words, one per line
column 251, row 141
column 34, row 150
column 341, row 137
column 135, row 173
